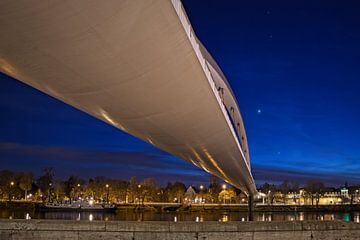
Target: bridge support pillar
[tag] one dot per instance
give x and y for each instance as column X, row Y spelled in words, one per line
column 250, row 207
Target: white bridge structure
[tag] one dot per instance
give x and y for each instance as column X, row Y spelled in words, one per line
column 136, row 65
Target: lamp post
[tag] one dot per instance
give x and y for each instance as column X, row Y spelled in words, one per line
column 139, row 196
column 49, row 191
column 201, row 192
column 10, row 191
column 107, row 194
column 78, row 190
column 224, row 188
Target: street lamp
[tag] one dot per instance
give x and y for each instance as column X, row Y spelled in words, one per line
column 201, row 198
column 107, row 195
column 11, row 185
column 49, row 191
column 224, row 188
column 139, row 194
column 78, row 191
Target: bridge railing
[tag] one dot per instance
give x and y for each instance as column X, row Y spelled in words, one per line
column 193, row 40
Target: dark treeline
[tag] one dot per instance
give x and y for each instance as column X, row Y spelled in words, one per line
column 24, row 186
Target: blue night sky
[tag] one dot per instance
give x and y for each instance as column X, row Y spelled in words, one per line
column 293, row 65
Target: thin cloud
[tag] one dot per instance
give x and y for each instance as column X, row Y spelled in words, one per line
column 275, row 174
column 99, row 162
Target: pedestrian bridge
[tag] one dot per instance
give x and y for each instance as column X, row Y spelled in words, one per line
column 136, row 65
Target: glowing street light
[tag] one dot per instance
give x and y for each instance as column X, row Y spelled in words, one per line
column 107, row 195
column 10, row 191
column 224, row 186
column 201, row 187
column 139, row 194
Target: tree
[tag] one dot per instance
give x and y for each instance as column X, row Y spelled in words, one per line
column 214, row 188
column 284, row 189
column 44, row 183
column 59, row 189
column 148, row 190
column 176, row 191
column 25, row 183
column 227, row 194
column 134, row 191
column 269, row 190
column 72, row 187
column 315, row 189
column 119, row 190
column 7, row 183
column 162, row 195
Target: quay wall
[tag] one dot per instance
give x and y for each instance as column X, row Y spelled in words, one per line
column 125, row 230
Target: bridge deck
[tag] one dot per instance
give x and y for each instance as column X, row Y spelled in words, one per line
column 136, row 65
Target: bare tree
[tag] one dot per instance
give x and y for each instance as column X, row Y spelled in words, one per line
column 25, row 183
column 315, row 188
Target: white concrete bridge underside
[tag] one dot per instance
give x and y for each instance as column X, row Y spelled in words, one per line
column 136, row 65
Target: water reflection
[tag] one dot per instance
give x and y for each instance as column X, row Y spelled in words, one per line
column 225, row 218
column 346, row 217
column 357, row 217
column 222, row 216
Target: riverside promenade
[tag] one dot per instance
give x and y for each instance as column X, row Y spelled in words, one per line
column 126, row 230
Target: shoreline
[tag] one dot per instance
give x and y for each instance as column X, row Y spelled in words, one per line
column 34, row 206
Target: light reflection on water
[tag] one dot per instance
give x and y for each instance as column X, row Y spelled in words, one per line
column 222, row 216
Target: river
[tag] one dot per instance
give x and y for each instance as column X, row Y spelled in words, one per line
column 218, row 215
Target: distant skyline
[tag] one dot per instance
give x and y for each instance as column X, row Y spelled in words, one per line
column 293, row 66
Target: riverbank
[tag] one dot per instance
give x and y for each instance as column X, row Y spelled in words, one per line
column 279, row 208
column 241, row 208
column 18, row 206
column 32, row 206
column 68, row 229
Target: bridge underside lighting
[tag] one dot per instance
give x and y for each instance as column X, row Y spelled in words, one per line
column 136, row 66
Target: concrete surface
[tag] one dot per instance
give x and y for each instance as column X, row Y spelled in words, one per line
column 69, row 229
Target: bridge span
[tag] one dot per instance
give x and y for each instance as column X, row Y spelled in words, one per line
column 136, row 65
